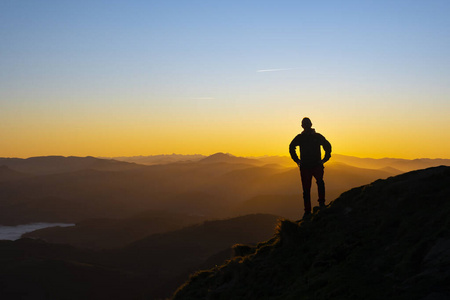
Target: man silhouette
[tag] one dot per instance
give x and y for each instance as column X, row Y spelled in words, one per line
column 310, row 161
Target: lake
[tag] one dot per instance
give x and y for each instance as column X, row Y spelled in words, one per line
column 15, row 232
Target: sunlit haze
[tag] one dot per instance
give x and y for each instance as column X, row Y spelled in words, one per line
column 125, row 78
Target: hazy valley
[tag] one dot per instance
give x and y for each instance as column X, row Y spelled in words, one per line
column 73, row 189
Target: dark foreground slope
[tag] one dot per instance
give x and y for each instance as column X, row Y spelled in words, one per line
column 151, row 268
column 386, row 240
column 114, row 233
column 33, row 269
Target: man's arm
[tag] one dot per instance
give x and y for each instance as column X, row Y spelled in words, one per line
column 327, row 148
column 292, row 150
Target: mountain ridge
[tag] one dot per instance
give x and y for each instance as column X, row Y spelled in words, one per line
column 386, row 240
column 47, row 165
column 6, row 174
column 404, row 165
column 221, row 157
column 215, row 190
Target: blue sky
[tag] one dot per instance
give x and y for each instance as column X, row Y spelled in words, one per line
column 184, row 69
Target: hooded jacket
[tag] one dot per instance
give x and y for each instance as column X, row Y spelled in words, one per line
column 309, row 142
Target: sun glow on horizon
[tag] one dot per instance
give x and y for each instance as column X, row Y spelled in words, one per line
column 147, row 78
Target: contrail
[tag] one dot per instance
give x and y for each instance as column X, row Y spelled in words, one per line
column 202, row 98
column 274, row 70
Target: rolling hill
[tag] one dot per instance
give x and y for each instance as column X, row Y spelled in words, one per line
column 7, row 174
column 159, row 159
column 150, row 268
column 114, row 233
column 44, row 165
column 223, row 186
column 394, row 164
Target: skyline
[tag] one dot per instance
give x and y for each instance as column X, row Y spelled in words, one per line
column 128, row 78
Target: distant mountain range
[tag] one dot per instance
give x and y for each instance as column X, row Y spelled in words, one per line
column 386, row 240
column 70, row 190
column 73, row 189
column 45, row 165
column 403, row 165
column 158, row 159
column 60, row 164
column 230, row 159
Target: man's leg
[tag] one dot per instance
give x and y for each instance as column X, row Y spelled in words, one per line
column 318, row 175
column 306, row 175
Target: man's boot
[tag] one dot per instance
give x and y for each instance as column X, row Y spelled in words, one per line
column 322, row 203
column 306, row 215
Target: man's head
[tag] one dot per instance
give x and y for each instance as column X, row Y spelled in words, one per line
column 306, row 123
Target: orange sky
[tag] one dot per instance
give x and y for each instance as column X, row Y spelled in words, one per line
column 261, row 133
column 148, row 78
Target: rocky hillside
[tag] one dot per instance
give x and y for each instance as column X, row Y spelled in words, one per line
column 386, row 240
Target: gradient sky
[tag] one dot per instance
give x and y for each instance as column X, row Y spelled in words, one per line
column 122, row 78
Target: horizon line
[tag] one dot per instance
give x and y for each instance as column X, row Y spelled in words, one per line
column 206, row 155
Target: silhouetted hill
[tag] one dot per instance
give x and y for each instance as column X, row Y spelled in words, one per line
column 159, row 159
column 284, row 161
column 114, row 233
column 401, row 165
column 174, row 255
column 33, row 269
column 200, row 241
column 404, row 165
column 151, row 268
column 391, row 170
column 386, row 240
column 7, row 174
column 215, row 190
column 59, row 164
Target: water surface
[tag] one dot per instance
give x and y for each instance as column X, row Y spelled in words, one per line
column 15, row 232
